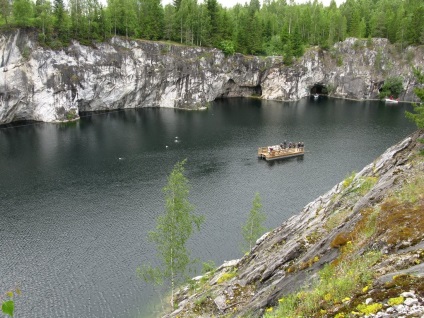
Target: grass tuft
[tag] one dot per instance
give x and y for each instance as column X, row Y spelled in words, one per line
column 226, row 276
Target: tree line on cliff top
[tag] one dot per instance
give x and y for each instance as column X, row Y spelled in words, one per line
column 277, row 27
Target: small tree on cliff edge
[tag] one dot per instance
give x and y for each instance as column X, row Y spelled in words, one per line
column 253, row 228
column 418, row 115
column 173, row 229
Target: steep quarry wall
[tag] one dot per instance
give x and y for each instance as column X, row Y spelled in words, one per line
column 41, row 84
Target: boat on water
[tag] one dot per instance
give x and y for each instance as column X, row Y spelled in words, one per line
column 276, row 152
column 316, row 96
column 391, row 100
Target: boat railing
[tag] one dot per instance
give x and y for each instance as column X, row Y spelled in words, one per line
column 278, row 151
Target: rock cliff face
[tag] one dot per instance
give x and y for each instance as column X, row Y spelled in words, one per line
column 41, row 84
column 376, row 214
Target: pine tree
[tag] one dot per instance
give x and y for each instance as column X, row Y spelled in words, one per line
column 212, row 11
column 61, row 21
column 173, row 229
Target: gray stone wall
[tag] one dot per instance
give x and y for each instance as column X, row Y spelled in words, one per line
column 41, row 84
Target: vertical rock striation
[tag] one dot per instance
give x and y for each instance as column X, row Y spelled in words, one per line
column 42, row 84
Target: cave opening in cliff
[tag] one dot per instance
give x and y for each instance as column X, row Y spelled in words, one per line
column 232, row 89
column 319, row 89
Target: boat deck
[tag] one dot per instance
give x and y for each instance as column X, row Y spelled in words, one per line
column 274, row 153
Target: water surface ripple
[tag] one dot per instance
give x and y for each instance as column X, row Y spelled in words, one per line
column 77, row 201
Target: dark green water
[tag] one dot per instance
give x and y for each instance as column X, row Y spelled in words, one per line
column 77, row 201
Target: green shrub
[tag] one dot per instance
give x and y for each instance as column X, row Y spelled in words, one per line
column 26, row 52
column 393, row 86
column 335, row 283
column 366, row 184
column 208, row 267
column 72, row 114
column 227, row 46
column 348, row 180
column 226, row 276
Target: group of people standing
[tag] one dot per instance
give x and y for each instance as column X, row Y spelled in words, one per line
column 292, row 145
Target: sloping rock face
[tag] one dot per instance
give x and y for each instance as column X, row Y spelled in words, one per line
column 386, row 198
column 41, row 84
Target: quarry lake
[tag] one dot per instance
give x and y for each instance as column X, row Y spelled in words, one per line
column 77, row 200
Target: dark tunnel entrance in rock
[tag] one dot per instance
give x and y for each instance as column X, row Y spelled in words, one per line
column 319, row 89
column 232, row 89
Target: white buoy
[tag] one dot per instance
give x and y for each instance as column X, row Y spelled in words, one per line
column 166, row 146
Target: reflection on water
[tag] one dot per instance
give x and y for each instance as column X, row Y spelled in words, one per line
column 77, row 201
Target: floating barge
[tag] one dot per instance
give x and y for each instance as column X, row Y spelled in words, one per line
column 276, row 152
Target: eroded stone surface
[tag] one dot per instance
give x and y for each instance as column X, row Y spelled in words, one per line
column 53, row 85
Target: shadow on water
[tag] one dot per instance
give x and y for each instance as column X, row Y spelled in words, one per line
column 282, row 162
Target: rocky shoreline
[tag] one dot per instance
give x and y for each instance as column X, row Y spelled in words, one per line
column 378, row 211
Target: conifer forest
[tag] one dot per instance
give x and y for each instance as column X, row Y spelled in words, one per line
column 275, row 27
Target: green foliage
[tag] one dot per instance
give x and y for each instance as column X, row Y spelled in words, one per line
column 369, row 309
column 151, row 20
column 227, row 47
column 412, row 192
column 418, row 115
column 8, row 307
column 339, row 60
column 366, row 184
column 358, row 45
column 226, row 276
column 22, row 12
column 173, row 229
column 334, row 284
column 393, row 86
column 331, row 88
column 71, row 115
column 348, row 180
column 253, row 228
column 395, row 301
column 208, row 266
column 7, row 302
column 203, row 299
column 26, row 52
column 275, row 28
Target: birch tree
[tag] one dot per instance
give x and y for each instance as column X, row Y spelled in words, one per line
column 253, row 228
column 173, row 229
